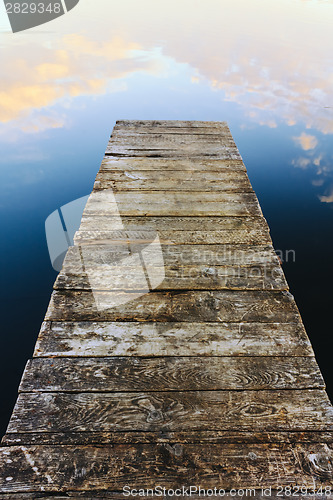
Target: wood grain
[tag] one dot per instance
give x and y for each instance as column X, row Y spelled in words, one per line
column 171, row 164
column 118, row 495
column 218, row 152
column 124, row 276
column 123, row 265
column 172, row 203
column 176, row 230
column 198, row 142
column 175, row 124
column 182, row 237
column 171, row 339
column 181, row 181
column 175, row 411
column 179, row 255
column 201, row 438
column 122, row 374
column 86, row 468
column 181, row 126
column 174, row 223
column 192, row 306
column 220, row 145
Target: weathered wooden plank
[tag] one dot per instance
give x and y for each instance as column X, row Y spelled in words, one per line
column 250, row 237
column 192, row 306
column 171, row 164
column 222, row 175
column 85, row 468
column 173, row 145
column 259, row 494
column 176, row 230
column 175, row 142
column 172, row 203
column 180, row 255
column 175, row 411
column 173, row 223
column 162, row 126
column 119, row 131
column 122, row 374
column 191, row 437
column 172, row 339
column 179, row 124
column 120, row 267
column 180, row 181
column 182, row 237
column 214, row 255
column 132, row 277
column 221, row 145
column 218, row 152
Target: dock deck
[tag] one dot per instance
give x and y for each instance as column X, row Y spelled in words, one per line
column 172, row 353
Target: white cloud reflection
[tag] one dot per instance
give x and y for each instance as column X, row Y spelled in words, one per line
column 76, row 66
column 273, row 59
column 306, row 141
column 327, row 198
column 321, row 166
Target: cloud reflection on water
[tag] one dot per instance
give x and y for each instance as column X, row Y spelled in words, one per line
column 270, row 60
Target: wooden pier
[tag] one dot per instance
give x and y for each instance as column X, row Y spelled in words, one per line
column 172, row 353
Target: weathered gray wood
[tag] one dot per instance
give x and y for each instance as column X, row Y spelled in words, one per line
column 172, row 203
column 202, row 306
column 173, row 223
column 135, row 437
column 177, row 255
column 221, row 176
column 175, row 145
column 180, row 181
column 102, row 398
column 214, row 131
column 181, row 126
column 178, row 124
column 218, row 152
column 119, row 266
column 119, row 495
column 86, row 468
column 119, row 276
column 189, row 410
column 120, row 374
column 250, row 237
column 172, row 339
column 171, row 164
column 177, row 142
column 176, row 230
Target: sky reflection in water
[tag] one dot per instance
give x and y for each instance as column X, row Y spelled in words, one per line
column 264, row 66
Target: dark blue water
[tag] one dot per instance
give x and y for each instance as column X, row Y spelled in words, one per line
column 62, row 90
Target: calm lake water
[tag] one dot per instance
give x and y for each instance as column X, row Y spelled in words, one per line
column 264, row 66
